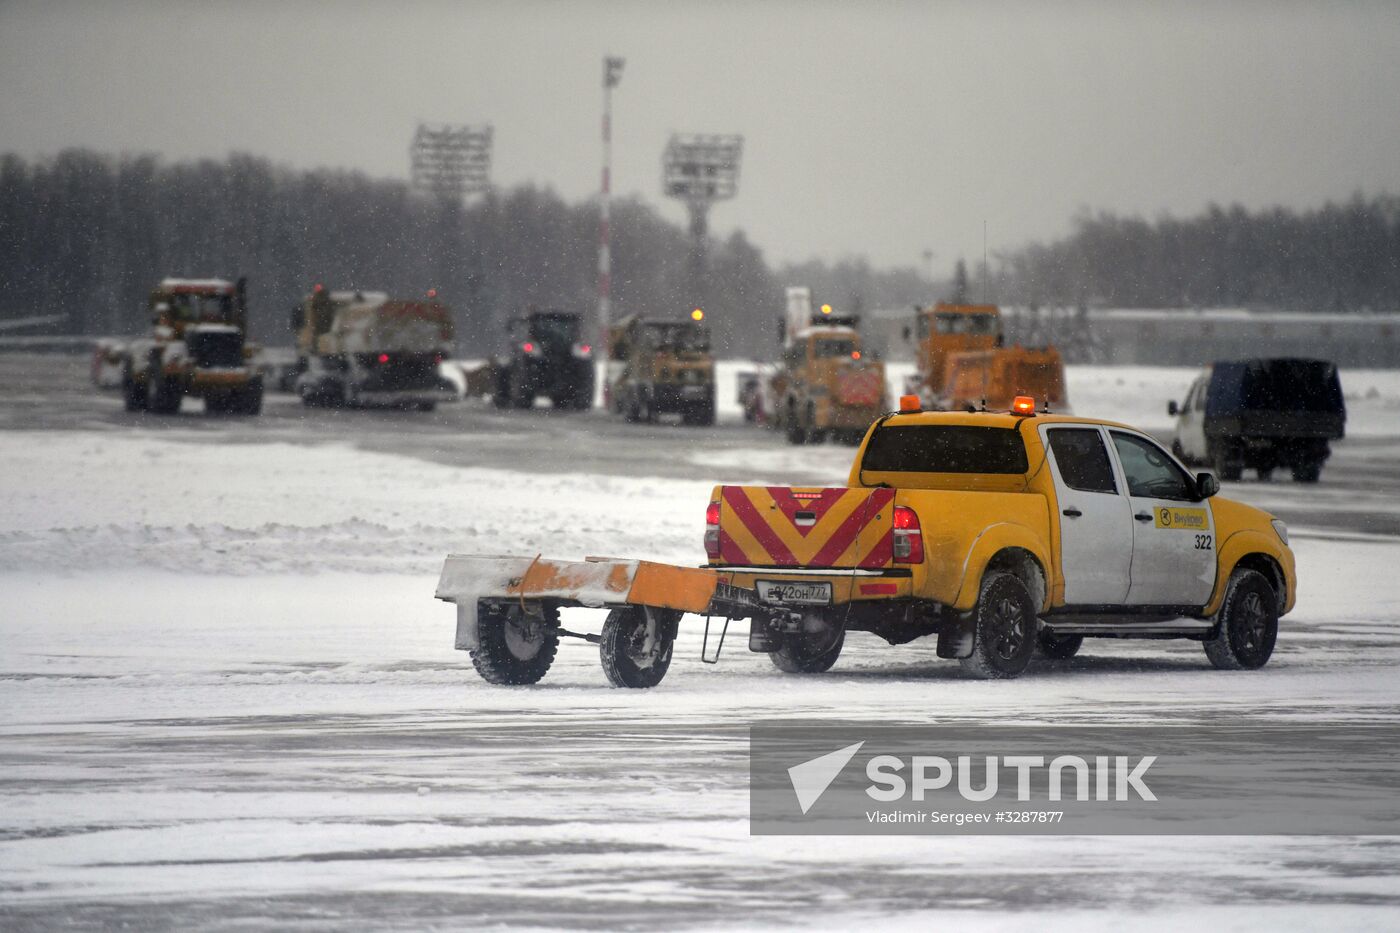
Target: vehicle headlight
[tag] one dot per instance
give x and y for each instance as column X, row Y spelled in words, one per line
column 1281, row 530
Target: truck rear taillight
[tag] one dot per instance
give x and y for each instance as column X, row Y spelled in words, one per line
column 712, row 530
column 908, row 536
column 383, row 357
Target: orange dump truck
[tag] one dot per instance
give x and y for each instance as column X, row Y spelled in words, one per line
column 963, row 361
column 1001, row 534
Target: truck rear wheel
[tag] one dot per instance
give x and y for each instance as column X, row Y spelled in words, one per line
column 514, row 648
column 627, row 659
column 811, row 652
column 1004, row 629
column 1246, row 625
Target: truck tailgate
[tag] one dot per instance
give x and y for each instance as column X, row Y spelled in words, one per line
column 785, row 526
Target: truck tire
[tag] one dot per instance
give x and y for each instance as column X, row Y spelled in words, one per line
column 1246, row 625
column 1004, row 629
column 514, row 649
column 133, row 393
column 795, row 432
column 1058, row 647
column 1225, row 467
column 247, row 400
column 814, row 434
column 500, row 388
column 625, row 663
column 162, row 392
column 809, row 652
column 701, row 416
column 1309, row 472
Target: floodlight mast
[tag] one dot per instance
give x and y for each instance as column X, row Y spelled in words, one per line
column 700, row 170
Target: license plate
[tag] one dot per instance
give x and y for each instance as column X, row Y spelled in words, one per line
column 797, row 593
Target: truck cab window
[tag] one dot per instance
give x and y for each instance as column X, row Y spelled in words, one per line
column 829, row 349
column 1082, row 460
column 1150, row 473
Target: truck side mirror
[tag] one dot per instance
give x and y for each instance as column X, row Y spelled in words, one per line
column 298, row 317
column 1207, row 485
column 907, row 333
column 1172, row 409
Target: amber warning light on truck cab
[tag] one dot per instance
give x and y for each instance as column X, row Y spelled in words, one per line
column 910, row 403
column 1023, row 405
column 697, row 315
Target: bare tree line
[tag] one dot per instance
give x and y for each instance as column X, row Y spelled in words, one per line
column 87, row 235
column 1339, row 257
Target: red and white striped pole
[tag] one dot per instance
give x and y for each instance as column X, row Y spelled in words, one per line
column 612, row 74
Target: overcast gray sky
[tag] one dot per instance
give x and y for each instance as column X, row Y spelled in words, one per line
column 875, row 128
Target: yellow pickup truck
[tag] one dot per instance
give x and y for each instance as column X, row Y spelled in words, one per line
column 1003, row 534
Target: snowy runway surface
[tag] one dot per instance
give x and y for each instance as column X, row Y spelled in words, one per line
column 228, row 699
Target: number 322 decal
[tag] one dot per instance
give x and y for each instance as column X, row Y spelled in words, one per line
column 1203, row 542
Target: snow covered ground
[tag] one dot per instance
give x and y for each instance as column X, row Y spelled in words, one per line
column 227, row 698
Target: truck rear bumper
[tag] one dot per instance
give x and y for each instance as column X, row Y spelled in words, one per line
column 405, row 396
column 847, row 585
column 218, row 380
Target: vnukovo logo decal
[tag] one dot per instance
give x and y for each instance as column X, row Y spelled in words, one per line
column 894, row 779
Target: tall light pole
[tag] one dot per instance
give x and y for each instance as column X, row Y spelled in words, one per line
column 612, row 74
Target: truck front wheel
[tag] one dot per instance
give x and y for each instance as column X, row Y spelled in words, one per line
column 514, row 648
column 1246, row 625
column 796, row 434
column 133, row 392
column 1004, row 629
column 629, row 659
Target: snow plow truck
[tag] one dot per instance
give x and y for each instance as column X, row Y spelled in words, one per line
column 361, row 348
column 827, row 383
column 198, row 347
column 1000, row 534
column 658, row 367
column 963, row 362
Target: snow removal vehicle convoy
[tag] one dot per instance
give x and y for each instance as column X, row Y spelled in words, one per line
column 1002, row 534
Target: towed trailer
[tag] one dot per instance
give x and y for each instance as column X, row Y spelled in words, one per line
column 508, row 612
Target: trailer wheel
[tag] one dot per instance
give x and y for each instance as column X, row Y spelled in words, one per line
column 627, row 661
column 1058, row 647
column 514, row 648
column 1004, row 629
column 1247, row 624
column 811, row 652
